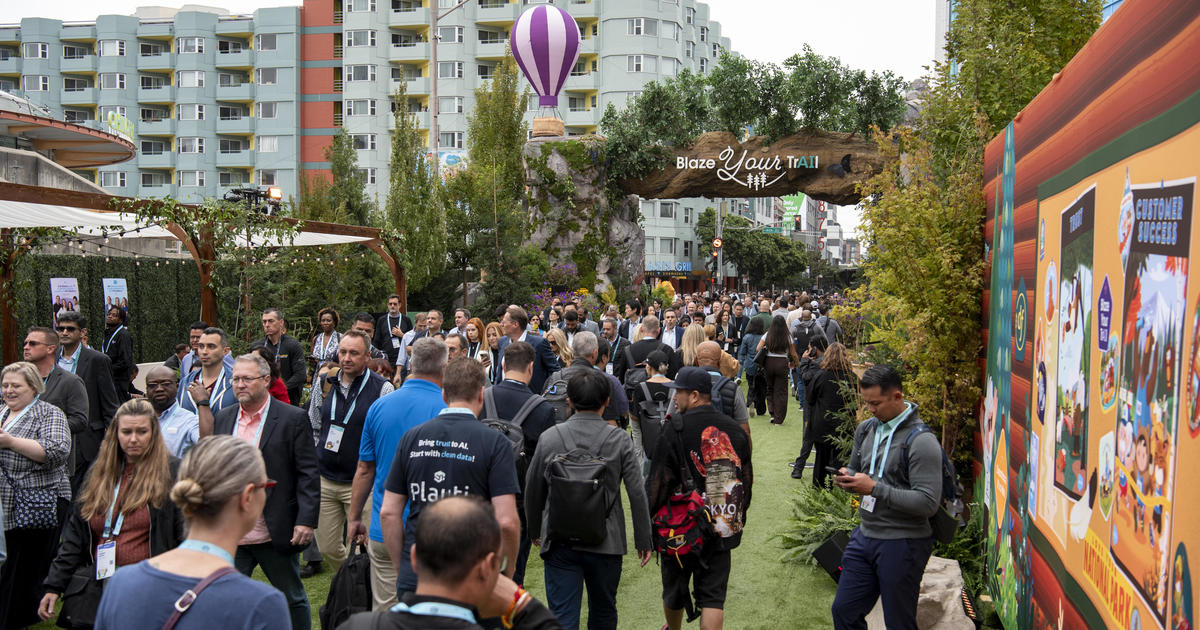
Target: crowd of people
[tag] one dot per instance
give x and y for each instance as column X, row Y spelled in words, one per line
column 449, row 454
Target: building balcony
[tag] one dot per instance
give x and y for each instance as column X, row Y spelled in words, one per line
column 160, row 127
column 166, row 159
column 165, row 61
column 582, row 118
column 420, row 119
column 412, row 17
column 154, row 191
column 588, row 46
column 497, row 13
column 417, row 51
column 236, row 159
column 156, row 30
column 160, row 94
column 419, row 85
column 583, row 8
column 242, row 92
column 85, row 64
column 78, row 33
column 243, row 126
column 85, row 96
column 581, row 82
column 11, row 65
column 240, row 59
column 491, row 50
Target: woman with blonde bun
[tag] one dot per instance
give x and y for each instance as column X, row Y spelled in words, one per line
column 221, row 491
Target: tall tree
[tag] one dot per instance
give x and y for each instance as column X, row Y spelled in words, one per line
column 413, row 216
column 347, row 193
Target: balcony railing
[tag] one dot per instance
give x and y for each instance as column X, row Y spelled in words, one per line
column 337, row 86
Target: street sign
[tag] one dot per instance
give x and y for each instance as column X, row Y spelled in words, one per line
column 773, row 230
column 716, row 242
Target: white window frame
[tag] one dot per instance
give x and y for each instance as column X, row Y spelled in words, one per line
column 456, row 68
column 195, row 78
column 716, row 50
column 634, row 63
column 273, row 38
column 74, row 51
column 457, row 35
column 368, row 175
column 687, row 215
column 190, row 145
column 266, row 144
column 197, row 110
column 689, row 15
column 112, row 179
column 232, row 47
column 103, row 44
column 349, row 38
column 349, row 71
column 259, row 75
column 637, row 26
column 223, row 149
column 112, row 80
column 196, row 179
column 359, row 107
column 268, row 177
column 457, row 104
column 456, row 140
column 666, row 210
column 668, row 246
column 704, row 33
column 225, row 179
column 689, row 49
column 116, row 109
column 189, row 45
column 264, row 106
column 157, row 147
column 365, row 6
column 41, row 50
column 366, row 140
column 76, row 84
column 156, row 180
column 687, row 249
column 703, row 65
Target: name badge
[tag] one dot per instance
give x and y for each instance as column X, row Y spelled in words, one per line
column 172, row 430
column 609, row 368
column 333, row 441
column 395, row 342
column 868, row 503
column 106, row 560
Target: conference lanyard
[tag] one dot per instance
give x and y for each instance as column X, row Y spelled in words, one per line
column 208, row 548
column 215, row 398
column 436, row 609
column 110, row 339
column 887, row 448
column 109, row 530
column 9, row 425
column 349, row 412
column 74, row 357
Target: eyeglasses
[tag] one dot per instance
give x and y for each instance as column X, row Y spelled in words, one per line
column 246, row 379
column 31, row 342
column 266, row 485
column 65, row 328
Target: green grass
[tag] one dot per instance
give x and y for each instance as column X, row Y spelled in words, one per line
column 764, row 593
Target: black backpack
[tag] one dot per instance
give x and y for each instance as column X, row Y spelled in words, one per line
column 511, row 429
column 555, row 393
column 652, row 412
column 581, row 496
column 724, row 392
column 350, row 589
column 945, row 521
column 805, row 334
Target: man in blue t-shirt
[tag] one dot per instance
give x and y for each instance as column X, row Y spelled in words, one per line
column 388, row 419
column 452, row 454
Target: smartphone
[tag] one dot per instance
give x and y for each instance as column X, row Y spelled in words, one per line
column 836, row 471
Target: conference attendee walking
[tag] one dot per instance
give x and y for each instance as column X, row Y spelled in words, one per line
column 325, row 342
column 209, row 390
column 283, row 434
column 452, row 453
column 391, row 329
column 513, row 326
column 221, row 490
column 118, row 346
column 63, row 389
column 341, row 415
column 180, row 427
column 35, row 442
column 756, row 399
column 123, row 514
column 830, row 399
column 289, row 354
column 781, row 356
column 95, row 370
column 584, row 543
column 388, row 419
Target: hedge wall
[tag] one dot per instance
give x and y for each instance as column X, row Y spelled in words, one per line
column 163, row 300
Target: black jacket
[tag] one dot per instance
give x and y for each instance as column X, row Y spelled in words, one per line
column 287, row 448
column 118, row 345
column 535, row 616
column 76, row 548
column 67, row 392
column 293, row 369
column 94, row 369
column 383, row 335
column 824, row 399
column 642, row 349
column 509, row 397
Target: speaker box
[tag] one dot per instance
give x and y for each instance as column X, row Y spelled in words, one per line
column 829, row 554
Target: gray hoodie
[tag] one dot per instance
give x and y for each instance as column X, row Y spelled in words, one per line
column 903, row 503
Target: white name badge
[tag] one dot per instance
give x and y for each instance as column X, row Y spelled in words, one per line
column 609, row 368
column 172, row 430
column 333, row 441
column 868, row 503
column 395, row 342
column 106, row 560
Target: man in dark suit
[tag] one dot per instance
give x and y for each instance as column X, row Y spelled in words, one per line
column 672, row 332
column 63, row 389
column 642, row 348
column 289, row 354
column 390, row 329
column 513, row 326
column 283, row 434
column 633, row 317
column 95, row 370
column 118, row 345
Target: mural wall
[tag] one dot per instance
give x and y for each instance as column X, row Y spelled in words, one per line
column 1090, row 425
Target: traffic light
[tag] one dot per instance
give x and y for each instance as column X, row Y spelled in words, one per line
column 797, row 226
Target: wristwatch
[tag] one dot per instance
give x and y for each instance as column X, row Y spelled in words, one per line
column 202, row 403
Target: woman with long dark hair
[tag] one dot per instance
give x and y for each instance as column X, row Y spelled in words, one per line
column 827, row 397
column 781, row 356
column 756, row 399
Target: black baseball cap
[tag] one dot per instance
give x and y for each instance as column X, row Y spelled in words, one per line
column 693, row 379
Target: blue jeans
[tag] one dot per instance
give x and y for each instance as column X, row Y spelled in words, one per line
column 283, row 571
column 875, row 569
column 568, row 571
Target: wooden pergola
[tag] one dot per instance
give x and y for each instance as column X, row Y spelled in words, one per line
column 202, row 249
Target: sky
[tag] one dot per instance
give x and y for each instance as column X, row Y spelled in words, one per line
column 879, row 35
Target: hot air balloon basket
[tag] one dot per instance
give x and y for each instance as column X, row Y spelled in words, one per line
column 548, row 127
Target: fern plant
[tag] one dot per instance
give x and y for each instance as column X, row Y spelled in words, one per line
column 817, row 514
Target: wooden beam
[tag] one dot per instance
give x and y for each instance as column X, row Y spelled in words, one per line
column 60, row 144
column 15, row 129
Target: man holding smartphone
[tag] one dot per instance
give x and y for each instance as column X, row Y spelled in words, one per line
column 898, row 499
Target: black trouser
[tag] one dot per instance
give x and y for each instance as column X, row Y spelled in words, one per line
column 30, row 553
column 758, row 395
column 776, row 374
column 806, row 446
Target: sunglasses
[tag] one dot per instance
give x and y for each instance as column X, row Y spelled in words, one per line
column 65, row 328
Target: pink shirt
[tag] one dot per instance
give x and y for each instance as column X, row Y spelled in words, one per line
column 248, row 424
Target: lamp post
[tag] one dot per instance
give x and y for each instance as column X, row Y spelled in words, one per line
column 434, row 107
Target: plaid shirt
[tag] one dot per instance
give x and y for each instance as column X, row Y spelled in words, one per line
column 45, row 424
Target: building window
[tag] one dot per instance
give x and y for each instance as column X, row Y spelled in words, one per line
column 359, row 6
column 229, row 46
column 112, row 81
column 75, row 85
column 633, row 63
column 189, row 111
column 360, row 107
column 154, row 114
column 689, row 15
column 112, row 179
column 189, row 145
column 451, row 140
column 367, row 175
column 450, row 104
column 361, row 38
column 151, row 50
column 703, row 65
column 666, row 210
column 450, row 69
column 716, row 51
column 268, row 144
column 363, row 141
column 643, row 26
column 403, row 40
column 227, row 79
column 231, row 112
column 704, row 33
column 152, row 81
column 75, row 52
column 687, row 215
column 77, row 115
column 486, row 71
column 35, row 50
column 689, row 49
column 267, row 177
column 111, row 110
column 670, row 30
column 267, row 76
column 359, row 73
column 687, row 249
column 649, row 244
column 153, row 180
column 153, row 147
column 668, row 246
column 267, row 41
column 189, row 78
column 112, row 48
column 268, row 109
column 189, row 45
column 450, row 34
column 230, row 178
column 491, row 37
column 191, row 179
column 231, row 145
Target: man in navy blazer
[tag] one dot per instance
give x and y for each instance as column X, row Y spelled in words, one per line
column 94, row 368
column 544, row 364
column 672, row 334
column 283, row 434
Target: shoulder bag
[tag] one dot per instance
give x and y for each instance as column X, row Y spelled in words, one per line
column 32, row 508
column 185, row 601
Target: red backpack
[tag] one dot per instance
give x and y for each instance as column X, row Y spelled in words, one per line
column 683, row 524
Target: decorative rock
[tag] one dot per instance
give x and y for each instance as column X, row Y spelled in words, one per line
column 939, row 606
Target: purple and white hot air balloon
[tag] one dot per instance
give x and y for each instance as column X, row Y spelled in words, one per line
column 545, row 42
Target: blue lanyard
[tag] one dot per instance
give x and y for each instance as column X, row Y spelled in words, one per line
column 206, row 547
column 217, row 395
column 888, row 446
column 8, row 412
column 349, row 412
column 436, row 609
column 74, row 357
column 109, row 530
column 110, row 339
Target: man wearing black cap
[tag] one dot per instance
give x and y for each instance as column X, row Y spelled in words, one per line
column 714, row 453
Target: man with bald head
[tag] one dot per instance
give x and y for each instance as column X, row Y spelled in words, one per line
column 733, row 402
column 180, row 427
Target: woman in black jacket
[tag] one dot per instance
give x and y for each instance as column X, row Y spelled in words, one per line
column 124, row 500
column 827, row 397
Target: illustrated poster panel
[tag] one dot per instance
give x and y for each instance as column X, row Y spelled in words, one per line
column 1074, row 334
column 64, row 296
column 116, row 293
